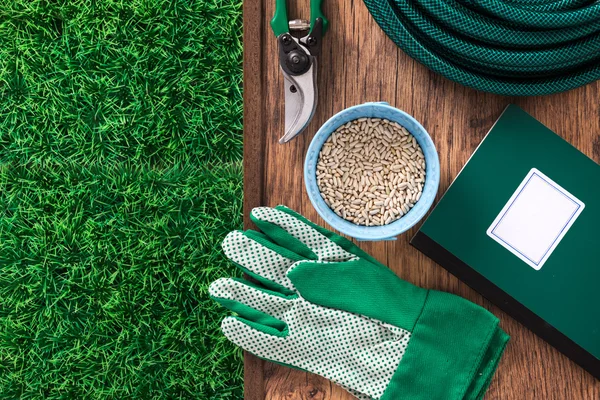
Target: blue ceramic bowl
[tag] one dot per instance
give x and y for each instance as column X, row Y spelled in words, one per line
column 432, row 179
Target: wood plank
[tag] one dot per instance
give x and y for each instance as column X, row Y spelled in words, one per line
column 359, row 64
column 253, row 155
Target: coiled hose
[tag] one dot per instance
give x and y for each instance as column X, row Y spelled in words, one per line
column 510, row 47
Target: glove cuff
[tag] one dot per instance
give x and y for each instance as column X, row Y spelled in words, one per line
column 453, row 352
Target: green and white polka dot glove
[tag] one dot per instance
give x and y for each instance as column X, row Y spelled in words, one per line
column 322, row 305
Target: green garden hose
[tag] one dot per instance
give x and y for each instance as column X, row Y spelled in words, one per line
column 510, row 47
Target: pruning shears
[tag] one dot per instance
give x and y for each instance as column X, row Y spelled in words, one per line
column 298, row 62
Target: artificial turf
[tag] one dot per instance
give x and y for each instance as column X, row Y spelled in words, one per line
column 120, row 148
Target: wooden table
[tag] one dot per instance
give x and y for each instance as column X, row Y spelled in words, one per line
column 358, row 64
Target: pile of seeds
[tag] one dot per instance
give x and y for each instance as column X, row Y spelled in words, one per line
column 371, row 171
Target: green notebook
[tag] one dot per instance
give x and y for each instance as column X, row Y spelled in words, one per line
column 521, row 225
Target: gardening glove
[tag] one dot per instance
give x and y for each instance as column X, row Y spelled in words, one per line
column 323, row 305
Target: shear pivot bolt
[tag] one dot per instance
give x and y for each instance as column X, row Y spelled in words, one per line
column 297, row 62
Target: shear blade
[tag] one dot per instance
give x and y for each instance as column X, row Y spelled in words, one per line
column 300, row 102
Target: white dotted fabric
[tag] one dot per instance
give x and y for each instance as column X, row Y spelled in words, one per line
column 324, row 248
column 351, row 350
column 258, row 258
column 359, row 396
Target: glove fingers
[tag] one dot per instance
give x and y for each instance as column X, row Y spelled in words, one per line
column 297, row 234
column 254, row 338
column 237, row 293
column 263, row 260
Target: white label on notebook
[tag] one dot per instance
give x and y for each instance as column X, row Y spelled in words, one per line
column 535, row 219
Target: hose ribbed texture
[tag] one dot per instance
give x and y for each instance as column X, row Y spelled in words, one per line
column 515, row 48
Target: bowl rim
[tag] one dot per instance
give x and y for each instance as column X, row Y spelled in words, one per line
column 430, row 188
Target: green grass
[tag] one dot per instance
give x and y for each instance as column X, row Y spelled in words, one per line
column 120, row 173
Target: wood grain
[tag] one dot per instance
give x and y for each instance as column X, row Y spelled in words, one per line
column 359, row 64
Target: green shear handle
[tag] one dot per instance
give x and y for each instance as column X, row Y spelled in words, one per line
column 280, row 21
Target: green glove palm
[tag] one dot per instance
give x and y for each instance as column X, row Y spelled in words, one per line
column 325, row 306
